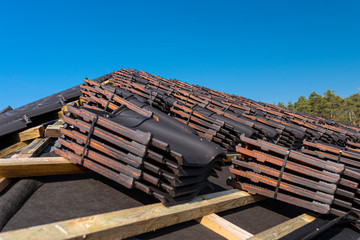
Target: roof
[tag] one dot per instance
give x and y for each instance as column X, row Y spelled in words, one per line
column 187, row 129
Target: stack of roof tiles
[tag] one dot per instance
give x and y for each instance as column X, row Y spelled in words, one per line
column 166, row 137
column 322, row 185
column 139, row 152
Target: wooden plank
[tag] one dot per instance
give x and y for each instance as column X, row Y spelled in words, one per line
column 224, row 228
column 12, row 148
column 284, row 228
column 134, row 221
column 34, row 148
column 4, row 182
column 30, row 167
column 54, row 129
column 32, row 133
column 230, row 156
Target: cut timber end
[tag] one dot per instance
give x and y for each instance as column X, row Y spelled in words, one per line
column 32, row 133
column 31, row 167
column 224, row 228
column 131, row 222
column 54, row 130
column 284, row 228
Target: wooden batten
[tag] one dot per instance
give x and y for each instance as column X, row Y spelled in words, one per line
column 284, row 228
column 6, row 151
column 31, row 167
column 224, row 228
column 131, row 222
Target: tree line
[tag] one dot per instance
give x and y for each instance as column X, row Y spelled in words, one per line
column 329, row 106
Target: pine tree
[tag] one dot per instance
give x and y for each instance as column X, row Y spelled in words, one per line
column 315, row 106
column 301, row 105
column 330, row 106
column 281, row 104
column 290, row 106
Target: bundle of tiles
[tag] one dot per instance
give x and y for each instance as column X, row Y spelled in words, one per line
column 347, row 156
column 319, row 129
column 315, row 128
column 133, row 147
column 186, row 102
column 322, row 185
column 271, row 123
column 206, row 123
column 110, row 96
column 324, row 135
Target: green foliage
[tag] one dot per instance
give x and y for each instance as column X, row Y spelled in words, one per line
column 329, row 106
column 290, row 106
column 281, row 104
column 301, row 105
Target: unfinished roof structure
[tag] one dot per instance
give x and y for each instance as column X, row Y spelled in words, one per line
column 130, row 139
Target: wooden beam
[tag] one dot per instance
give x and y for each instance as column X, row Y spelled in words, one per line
column 284, row 228
column 54, row 129
column 4, row 182
column 6, row 151
column 224, row 228
column 230, row 156
column 32, row 133
column 134, row 221
column 31, row 167
column 33, row 149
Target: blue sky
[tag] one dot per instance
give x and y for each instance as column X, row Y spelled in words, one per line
column 267, row 51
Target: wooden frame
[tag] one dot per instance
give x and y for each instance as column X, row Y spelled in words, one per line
column 131, row 222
